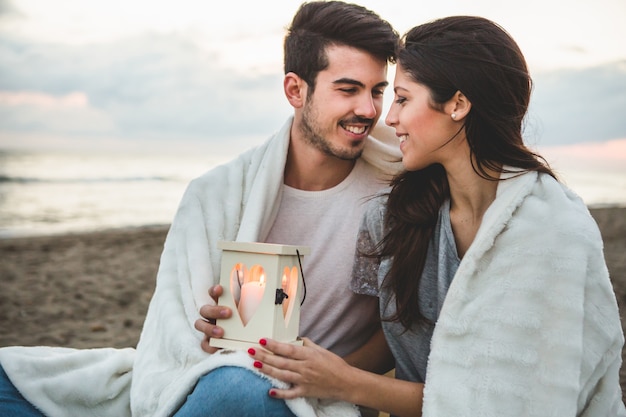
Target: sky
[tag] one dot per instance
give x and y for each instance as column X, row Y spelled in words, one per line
column 195, row 74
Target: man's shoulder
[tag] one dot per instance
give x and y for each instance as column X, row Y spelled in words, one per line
column 272, row 145
column 370, row 176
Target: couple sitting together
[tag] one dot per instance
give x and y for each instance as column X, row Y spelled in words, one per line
column 449, row 252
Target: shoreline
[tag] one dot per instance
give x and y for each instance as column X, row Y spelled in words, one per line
column 95, row 230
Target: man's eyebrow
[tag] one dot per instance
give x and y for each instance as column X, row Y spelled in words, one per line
column 358, row 83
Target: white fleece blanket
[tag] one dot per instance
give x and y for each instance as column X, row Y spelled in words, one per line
column 236, row 201
column 525, row 334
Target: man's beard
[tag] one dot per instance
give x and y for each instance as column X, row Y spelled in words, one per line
column 314, row 136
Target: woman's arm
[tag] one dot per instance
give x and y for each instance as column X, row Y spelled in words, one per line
column 316, row 372
column 374, row 356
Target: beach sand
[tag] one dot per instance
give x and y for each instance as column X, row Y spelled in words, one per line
column 93, row 289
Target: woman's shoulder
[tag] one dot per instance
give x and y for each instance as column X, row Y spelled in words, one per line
column 374, row 214
column 552, row 208
column 376, row 204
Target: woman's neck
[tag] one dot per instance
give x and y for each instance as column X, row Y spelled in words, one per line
column 470, row 197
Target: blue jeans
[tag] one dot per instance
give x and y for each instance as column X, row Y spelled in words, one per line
column 11, row 401
column 231, row 391
column 224, row 392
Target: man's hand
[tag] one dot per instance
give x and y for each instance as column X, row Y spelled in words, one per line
column 209, row 314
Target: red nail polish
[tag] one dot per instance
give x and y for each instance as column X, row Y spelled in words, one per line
column 272, row 393
column 262, row 342
column 258, row 364
column 252, row 351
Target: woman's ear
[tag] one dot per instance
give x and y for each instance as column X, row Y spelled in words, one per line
column 458, row 106
column 295, row 89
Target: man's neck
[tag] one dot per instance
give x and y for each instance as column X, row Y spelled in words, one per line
column 311, row 170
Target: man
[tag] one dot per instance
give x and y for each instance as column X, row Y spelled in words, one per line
column 307, row 186
column 335, row 74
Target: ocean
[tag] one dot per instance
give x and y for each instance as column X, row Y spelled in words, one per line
column 43, row 193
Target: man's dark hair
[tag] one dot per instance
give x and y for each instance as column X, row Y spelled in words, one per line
column 319, row 24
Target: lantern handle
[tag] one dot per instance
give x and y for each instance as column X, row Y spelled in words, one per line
column 302, row 274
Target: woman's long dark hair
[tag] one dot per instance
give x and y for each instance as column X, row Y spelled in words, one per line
column 477, row 57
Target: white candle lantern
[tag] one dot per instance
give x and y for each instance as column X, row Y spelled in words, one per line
column 262, row 285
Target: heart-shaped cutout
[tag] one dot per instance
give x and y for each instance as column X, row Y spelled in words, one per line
column 247, row 287
column 236, row 281
column 290, row 287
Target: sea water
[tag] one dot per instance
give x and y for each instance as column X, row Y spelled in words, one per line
column 44, row 193
column 59, row 192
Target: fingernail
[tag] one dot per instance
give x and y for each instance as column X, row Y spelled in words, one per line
column 258, row 364
column 252, row 351
column 262, row 342
column 272, row 393
column 223, row 312
column 216, row 331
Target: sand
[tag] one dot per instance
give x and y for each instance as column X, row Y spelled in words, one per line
column 78, row 290
column 93, row 289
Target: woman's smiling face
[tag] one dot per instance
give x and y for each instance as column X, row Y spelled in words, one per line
column 424, row 130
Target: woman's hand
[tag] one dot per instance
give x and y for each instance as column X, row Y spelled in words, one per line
column 315, row 372
column 311, row 370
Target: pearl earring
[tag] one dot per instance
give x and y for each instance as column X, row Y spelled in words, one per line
column 453, row 115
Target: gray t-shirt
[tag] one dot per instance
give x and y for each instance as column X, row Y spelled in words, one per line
column 327, row 221
column 410, row 347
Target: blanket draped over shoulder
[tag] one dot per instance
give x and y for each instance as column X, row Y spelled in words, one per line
column 235, row 201
column 530, row 325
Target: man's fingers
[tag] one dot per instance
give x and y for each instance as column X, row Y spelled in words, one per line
column 208, row 328
column 216, row 292
column 210, row 331
column 208, row 348
column 212, row 313
column 207, row 324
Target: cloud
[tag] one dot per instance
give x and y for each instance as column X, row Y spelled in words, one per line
column 171, row 88
column 579, row 105
column 151, row 86
column 7, row 7
column 612, row 150
column 42, row 100
column 69, row 114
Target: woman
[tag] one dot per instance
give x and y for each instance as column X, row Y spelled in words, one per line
column 491, row 278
